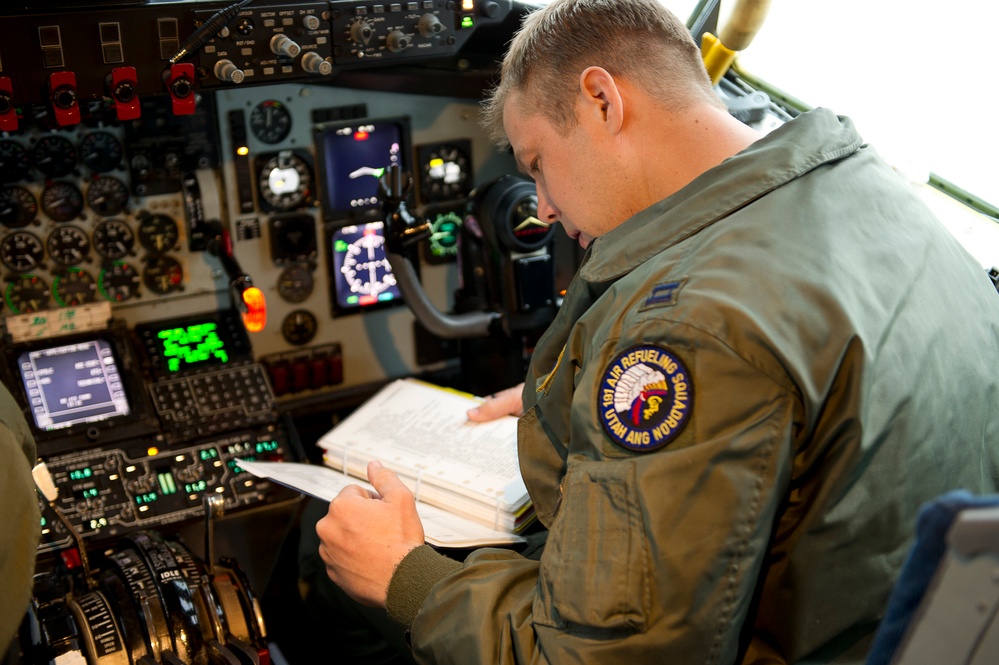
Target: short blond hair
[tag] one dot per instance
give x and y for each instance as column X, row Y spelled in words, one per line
column 636, row 39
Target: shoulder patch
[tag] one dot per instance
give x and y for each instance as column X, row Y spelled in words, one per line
column 664, row 294
column 645, row 398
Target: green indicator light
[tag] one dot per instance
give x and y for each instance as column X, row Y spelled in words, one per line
column 209, row 454
column 467, row 22
column 340, row 246
column 353, row 300
column 167, row 485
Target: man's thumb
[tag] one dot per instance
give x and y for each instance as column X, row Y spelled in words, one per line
column 385, row 481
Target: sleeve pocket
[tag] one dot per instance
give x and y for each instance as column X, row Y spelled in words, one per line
column 595, row 568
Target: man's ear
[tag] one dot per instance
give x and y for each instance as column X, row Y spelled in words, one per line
column 601, row 97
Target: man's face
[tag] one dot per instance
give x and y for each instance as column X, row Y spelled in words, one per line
column 563, row 169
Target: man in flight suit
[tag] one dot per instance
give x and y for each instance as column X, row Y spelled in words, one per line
column 771, row 356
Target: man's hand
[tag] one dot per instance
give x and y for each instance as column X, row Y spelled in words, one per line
column 504, row 403
column 365, row 535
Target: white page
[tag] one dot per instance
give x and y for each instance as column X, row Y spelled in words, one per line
column 421, row 430
column 440, row 527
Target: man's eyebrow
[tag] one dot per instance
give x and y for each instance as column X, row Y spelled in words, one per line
column 520, row 163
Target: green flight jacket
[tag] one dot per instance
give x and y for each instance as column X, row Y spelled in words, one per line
column 822, row 353
column 19, row 502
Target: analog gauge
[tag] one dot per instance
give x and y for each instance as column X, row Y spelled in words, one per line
column 446, row 171
column 163, row 275
column 17, row 207
column 443, row 245
column 101, row 151
column 365, row 266
column 118, row 282
column 158, row 233
column 107, row 195
column 299, row 327
column 54, row 156
column 518, row 226
column 285, row 181
column 295, row 283
column 27, row 293
column 62, row 201
column 270, row 121
column 293, row 238
column 68, row 245
column 21, row 251
column 74, row 287
column 15, row 162
column 113, row 239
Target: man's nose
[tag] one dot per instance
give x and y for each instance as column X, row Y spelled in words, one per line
column 547, row 212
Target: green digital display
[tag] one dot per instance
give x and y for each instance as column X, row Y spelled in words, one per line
column 80, row 474
column 194, row 488
column 267, row 446
column 209, row 454
column 148, row 497
column 190, row 346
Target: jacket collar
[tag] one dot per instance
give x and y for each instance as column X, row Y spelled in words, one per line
column 808, row 141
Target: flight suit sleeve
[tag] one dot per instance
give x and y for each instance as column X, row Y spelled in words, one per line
column 20, row 535
column 652, row 556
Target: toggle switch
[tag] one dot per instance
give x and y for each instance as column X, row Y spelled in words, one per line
column 124, row 92
column 8, row 113
column 62, row 94
column 179, row 81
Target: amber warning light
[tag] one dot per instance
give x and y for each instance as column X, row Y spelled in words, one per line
column 254, row 309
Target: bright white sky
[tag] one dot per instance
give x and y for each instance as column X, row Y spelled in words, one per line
column 919, row 84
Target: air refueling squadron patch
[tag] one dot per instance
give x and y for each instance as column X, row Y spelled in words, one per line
column 646, row 397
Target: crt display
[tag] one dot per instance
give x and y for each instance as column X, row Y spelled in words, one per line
column 73, row 384
column 354, row 157
column 362, row 276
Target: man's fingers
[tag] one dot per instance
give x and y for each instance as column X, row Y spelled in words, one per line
column 504, row 403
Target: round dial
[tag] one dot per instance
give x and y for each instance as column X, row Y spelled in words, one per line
column 15, row 162
column 107, row 195
column 21, row 251
column 118, row 282
column 444, row 236
column 295, row 283
column 299, row 327
column 163, row 275
column 27, row 293
column 446, row 173
column 62, row 201
column 158, row 233
column 74, row 287
column 520, row 229
column 101, row 151
column 17, row 207
column 54, row 156
column 113, row 239
column 285, row 181
column 365, row 266
column 270, row 121
column 68, row 245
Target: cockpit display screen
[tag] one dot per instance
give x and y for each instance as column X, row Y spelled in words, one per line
column 72, row 384
column 362, row 276
column 191, row 344
column 353, row 159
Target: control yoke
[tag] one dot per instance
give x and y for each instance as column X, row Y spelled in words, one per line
column 402, row 231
